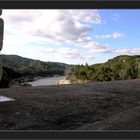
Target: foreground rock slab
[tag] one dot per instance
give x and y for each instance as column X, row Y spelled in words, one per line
column 111, row 105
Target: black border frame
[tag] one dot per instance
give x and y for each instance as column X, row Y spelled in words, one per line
column 69, row 135
column 70, row 4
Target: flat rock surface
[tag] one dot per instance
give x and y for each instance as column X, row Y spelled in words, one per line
column 111, row 105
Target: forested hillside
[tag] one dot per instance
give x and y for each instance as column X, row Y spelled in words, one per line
column 33, row 67
column 119, row 68
column 24, row 69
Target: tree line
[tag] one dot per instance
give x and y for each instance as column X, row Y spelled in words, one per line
column 118, row 68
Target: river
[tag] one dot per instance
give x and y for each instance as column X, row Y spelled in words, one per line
column 47, row 81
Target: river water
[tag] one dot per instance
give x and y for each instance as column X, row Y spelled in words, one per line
column 47, row 81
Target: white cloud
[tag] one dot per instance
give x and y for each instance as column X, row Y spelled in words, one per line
column 97, row 47
column 113, row 35
column 62, row 28
column 91, row 16
column 121, row 51
column 69, row 53
column 117, row 35
column 132, row 51
column 56, row 27
column 135, row 51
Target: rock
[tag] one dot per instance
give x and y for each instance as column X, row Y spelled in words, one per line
column 63, row 82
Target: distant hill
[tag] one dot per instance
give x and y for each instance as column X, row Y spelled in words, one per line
column 122, row 67
column 25, row 69
column 27, row 66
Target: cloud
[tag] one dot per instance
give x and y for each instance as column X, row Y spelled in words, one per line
column 62, row 26
column 117, row 35
column 121, row 51
column 113, row 35
column 56, row 27
column 132, row 51
column 97, row 47
column 90, row 16
column 45, row 50
column 135, row 51
column 69, row 53
column 59, row 28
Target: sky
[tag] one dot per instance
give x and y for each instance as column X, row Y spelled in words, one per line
column 71, row 36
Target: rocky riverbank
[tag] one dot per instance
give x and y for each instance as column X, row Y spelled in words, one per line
column 111, row 105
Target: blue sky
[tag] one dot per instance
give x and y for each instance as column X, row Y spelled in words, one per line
column 71, row 36
column 124, row 21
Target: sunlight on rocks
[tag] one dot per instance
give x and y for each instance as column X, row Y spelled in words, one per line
column 6, row 99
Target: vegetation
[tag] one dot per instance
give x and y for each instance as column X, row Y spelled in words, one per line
column 8, row 75
column 119, row 68
column 23, row 69
column 32, row 67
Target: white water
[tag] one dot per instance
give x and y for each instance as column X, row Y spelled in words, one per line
column 47, row 81
column 5, row 99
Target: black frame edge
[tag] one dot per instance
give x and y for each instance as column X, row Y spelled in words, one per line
column 67, row 4
column 71, row 135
